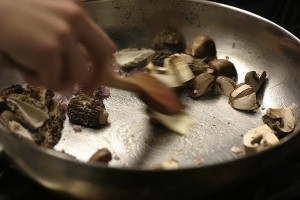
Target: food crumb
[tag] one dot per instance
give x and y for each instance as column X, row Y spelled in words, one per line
column 116, row 157
column 199, row 161
column 236, row 150
column 77, row 128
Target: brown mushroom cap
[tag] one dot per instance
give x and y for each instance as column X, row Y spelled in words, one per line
column 202, row 47
column 202, row 84
column 281, row 120
column 224, row 67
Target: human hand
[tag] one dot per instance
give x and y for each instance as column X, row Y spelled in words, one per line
column 42, row 35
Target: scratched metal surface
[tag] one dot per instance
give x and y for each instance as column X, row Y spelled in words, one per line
column 250, row 42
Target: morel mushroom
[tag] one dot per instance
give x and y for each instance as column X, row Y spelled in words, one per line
column 259, row 138
column 201, row 85
column 169, row 39
column 202, row 47
column 243, row 97
column 41, row 94
column 87, row 111
column 31, row 113
column 133, row 58
column 11, row 89
column 255, row 80
column 223, row 67
column 281, row 120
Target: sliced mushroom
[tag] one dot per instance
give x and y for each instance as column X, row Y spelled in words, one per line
column 131, row 57
column 255, row 80
column 259, row 138
column 169, row 39
column 281, row 120
column 224, row 85
column 199, row 66
column 243, row 97
column 180, row 123
column 31, row 113
column 202, row 47
column 201, row 85
column 20, row 131
column 175, row 72
column 224, row 67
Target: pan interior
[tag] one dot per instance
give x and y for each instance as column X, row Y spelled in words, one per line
column 248, row 41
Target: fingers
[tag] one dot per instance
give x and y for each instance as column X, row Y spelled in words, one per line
column 99, row 47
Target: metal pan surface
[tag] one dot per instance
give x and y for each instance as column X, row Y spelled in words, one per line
column 204, row 156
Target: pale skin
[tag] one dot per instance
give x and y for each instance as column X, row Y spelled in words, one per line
column 43, row 36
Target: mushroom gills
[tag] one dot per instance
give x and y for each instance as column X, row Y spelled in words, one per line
column 28, row 110
column 282, row 120
column 259, row 138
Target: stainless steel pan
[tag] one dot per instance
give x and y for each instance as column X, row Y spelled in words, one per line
column 249, row 41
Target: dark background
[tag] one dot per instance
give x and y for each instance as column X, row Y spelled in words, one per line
column 282, row 12
column 279, row 183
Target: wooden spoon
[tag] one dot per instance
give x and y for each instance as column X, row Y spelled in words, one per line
column 150, row 90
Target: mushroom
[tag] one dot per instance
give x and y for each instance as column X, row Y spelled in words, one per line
column 255, row 80
column 243, row 97
column 281, row 120
column 179, row 123
column 199, row 66
column 101, row 92
column 224, row 85
column 169, row 39
column 31, row 113
column 175, row 72
column 20, row 131
column 159, row 57
column 102, row 155
column 87, row 111
column 11, row 89
column 223, row 67
column 41, row 94
column 259, row 138
column 50, row 133
column 202, row 84
column 202, row 47
column 132, row 58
